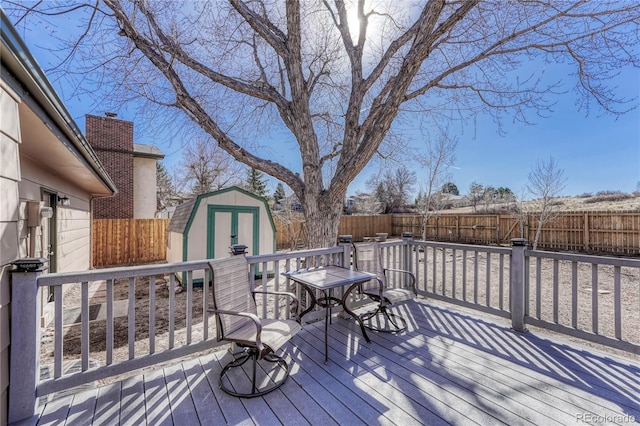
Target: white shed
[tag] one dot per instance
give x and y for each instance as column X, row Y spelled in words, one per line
column 207, row 226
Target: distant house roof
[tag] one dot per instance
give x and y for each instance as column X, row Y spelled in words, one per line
column 181, row 216
column 147, row 151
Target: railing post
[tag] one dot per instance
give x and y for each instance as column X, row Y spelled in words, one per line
column 407, row 237
column 346, row 242
column 24, row 358
column 517, row 290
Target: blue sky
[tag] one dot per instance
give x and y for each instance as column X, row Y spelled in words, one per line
column 598, row 152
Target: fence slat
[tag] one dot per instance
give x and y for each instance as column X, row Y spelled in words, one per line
column 128, row 241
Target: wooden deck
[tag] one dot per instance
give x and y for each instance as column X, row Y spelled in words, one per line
column 449, row 368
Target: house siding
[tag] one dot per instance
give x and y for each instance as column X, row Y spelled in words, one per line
column 112, row 141
column 9, row 177
column 74, row 239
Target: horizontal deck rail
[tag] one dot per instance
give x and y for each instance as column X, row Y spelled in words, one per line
column 596, row 298
column 590, row 297
column 472, row 276
column 100, row 357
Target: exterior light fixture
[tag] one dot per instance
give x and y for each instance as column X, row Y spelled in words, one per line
column 64, row 200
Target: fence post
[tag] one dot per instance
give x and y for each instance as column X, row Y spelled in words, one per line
column 517, row 282
column 24, row 370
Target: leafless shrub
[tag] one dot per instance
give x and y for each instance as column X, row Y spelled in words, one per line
column 609, row 196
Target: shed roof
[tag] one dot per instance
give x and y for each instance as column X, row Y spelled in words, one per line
column 181, row 215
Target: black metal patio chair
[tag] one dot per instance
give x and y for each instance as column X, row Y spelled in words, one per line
column 258, row 338
column 367, row 257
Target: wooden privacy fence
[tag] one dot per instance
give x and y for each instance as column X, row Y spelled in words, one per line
column 586, row 231
column 292, row 234
column 134, row 241
column 129, row 241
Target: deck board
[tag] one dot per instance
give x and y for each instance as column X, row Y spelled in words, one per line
column 204, row 399
column 450, row 367
column 156, row 399
column 83, row 403
column 132, row 410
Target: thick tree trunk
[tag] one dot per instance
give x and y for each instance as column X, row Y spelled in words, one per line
column 323, row 221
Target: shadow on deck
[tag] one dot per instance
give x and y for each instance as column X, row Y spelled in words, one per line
column 449, row 368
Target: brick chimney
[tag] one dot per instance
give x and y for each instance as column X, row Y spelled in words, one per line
column 112, row 140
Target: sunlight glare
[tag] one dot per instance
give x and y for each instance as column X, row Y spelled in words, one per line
column 352, row 19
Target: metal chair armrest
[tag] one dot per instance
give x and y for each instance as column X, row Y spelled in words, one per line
column 412, row 285
column 251, row 316
column 380, row 288
column 294, row 298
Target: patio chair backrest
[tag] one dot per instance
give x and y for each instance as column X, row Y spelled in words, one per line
column 232, row 292
column 368, row 259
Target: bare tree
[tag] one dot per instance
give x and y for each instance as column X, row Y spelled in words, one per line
column 522, row 211
column 337, row 75
column 205, row 167
column 393, row 189
column 476, row 191
column 436, row 161
column 366, row 204
column 289, row 216
column 489, row 196
column 546, row 182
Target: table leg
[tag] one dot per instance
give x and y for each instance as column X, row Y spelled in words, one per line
column 345, row 306
column 313, row 301
column 327, row 316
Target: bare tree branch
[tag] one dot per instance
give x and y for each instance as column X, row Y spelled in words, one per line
column 337, row 93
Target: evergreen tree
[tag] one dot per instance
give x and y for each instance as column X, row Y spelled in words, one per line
column 279, row 195
column 165, row 190
column 450, row 188
column 256, row 182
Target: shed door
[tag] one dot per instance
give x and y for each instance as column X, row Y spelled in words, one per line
column 228, row 225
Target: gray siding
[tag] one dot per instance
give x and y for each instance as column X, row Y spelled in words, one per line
column 9, row 202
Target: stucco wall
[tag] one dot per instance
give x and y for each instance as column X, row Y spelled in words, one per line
column 144, row 188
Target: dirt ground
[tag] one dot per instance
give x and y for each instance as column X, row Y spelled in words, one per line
column 72, row 344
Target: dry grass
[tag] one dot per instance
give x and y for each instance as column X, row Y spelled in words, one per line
column 607, row 201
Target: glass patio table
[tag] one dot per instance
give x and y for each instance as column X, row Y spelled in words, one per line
column 325, row 279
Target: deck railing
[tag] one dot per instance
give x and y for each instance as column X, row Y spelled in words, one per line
column 596, row 298
column 505, row 281
column 113, row 343
column 476, row 277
